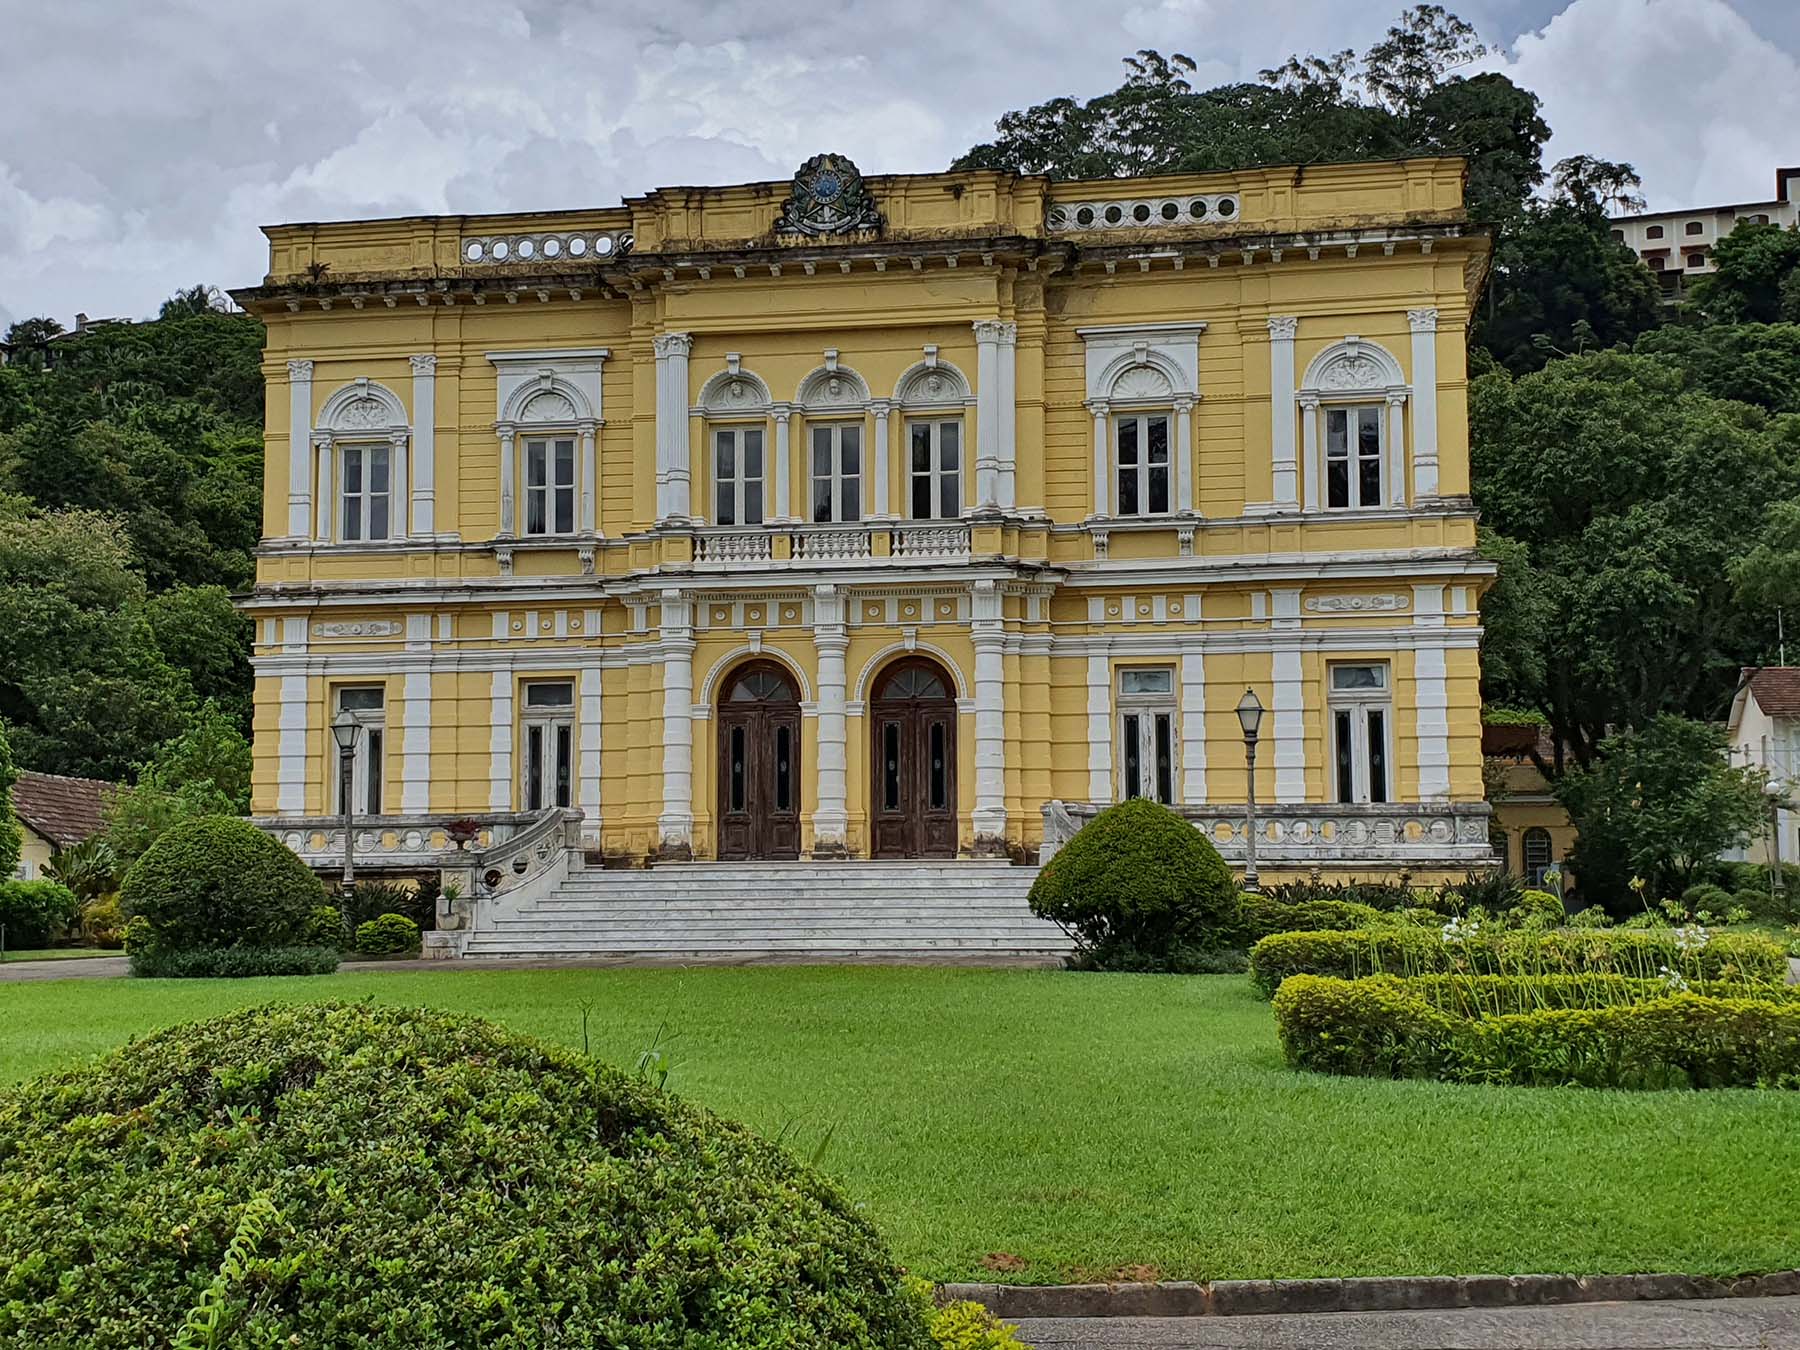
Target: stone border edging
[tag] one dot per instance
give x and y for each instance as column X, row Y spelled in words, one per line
column 1234, row 1298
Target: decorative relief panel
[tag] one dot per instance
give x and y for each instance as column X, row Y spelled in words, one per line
column 358, row 628
column 1144, row 213
column 828, row 197
column 1354, row 604
column 576, row 246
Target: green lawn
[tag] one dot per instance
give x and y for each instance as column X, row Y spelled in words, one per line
column 1089, row 1124
column 57, row 953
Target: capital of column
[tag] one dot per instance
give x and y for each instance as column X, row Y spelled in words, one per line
column 424, row 364
column 1098, row 406
column 300, row 370
column 673, row 344
column 1396, row 397
column 398, row 439
column 321, row 440
column 1422, row 320
column 1282, row 327
column 781, row 412
column 989, row 330
column 1309, row 402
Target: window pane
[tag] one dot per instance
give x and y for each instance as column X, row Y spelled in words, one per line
column 1377, row 755
column 1165, row 762
column 1345, row 753
column 1337, row 483
column 940, row 778
column 753, row 503
column 1159, row 440
column 378, row 517
column 353, row 464
column 951, row 485
column 1128, row 440
column 921, row 447
column 535, row 466
column 535, row 519
column 373, row 806
column 565, row 462
column 565, row 510
column 378, row 470
column 821, row 459
column 737, row 768
column 361, row 700
column 950, row 444
column 851, row 435
column 562, row 763
column 534, row 767
column 850, row 457
column 753, row 454
column 725, row 455
column 1368, row 486
column 821, row 500
column 1159, row 488
column 852, row 499
column 784, row 772
column 1359, row 677
column 1368, row 430
column 1134, row 769
column 549, row 696
column 890, row 766
column 1337, row 431
column 1128, row 490
column 921, row 497
column 353, row 518
column 724, row 507
column 1144, row 681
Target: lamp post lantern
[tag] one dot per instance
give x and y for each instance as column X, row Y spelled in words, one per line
column 1250, row 715
column 346, row 730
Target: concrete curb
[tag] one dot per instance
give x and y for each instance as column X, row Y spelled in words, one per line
column 1236, row 1298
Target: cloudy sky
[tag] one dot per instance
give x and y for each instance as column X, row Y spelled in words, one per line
column 145, row 140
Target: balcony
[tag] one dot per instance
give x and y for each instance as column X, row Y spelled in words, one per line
column 784, row 546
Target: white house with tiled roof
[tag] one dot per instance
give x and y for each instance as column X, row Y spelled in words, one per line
column 1765, row 734
column 54, row 813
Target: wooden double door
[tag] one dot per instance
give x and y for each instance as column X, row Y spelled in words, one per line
column 912, row 755
column 759, row 764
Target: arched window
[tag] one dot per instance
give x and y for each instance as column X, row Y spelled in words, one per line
column 360, row 446
column 547, row 429
column 1538, row 856
column 748, row 485
column 933, row 396
column 835, row 402
column 1352, row 403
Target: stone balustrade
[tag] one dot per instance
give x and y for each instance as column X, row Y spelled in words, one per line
column 392, row 843
column 811, row 545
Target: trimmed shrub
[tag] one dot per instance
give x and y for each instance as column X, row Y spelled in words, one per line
column 1749, row 958
column 1713, row 899
column 375, row 898
column 1138, row 883
column 513, row 1193
column 1490, row 995
column 36, row 913
column 103, row 922
column 1124, row 959
column 325, row 927
column 1261, row 915
column 217, row 881
column 1384, row 1027
column 232, row 963
column 961, row 1325
column 387, row 936
column 1537, row 909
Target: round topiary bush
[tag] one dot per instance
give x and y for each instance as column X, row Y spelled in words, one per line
column 217, row 881
column 332, row 1174
column 388, row 935
column 1139, row 888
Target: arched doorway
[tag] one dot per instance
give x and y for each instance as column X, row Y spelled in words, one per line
column 912, row 795
column 759, row 764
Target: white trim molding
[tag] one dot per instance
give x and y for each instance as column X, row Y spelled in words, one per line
column 549, row 390
column 1424, row 323
column 1355, row 370
column 1143, row 367
column 300, row 468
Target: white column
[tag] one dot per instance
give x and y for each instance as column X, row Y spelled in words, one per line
column 1424, row 410
column 1099, row 707
column 781, row 492
column 676, row 824
column 290, row 765
column 1396, row 407
column 324, row 454
column 1184, row 450
column 415, row 739
column 588, row 768
column 831, row 815
column 879, row 467
column 987, row 413
column 300, row 471
column 674, row 480
column 509, row 477
column 1009, row 415
column 1102, row 454
column 1282, row 328
column 424, row 446
column 1431, row 693
column 500, row 733
column 1315, row 468
column 1193, row 728
column 398, row 516
column 1290, row 727
column 590, row 480
column 987, row 633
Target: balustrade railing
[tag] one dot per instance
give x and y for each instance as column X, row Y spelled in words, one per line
column 393, row 843
column 813, row 544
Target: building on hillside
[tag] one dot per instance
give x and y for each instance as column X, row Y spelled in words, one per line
column 1764, row 730
column 1678, row 245
column 56, row 813
column 1532, row 832
column 884, row 518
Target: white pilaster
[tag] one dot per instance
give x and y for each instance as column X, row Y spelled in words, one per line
column 779, row 507
column 1193, row 728
column 676, row 824
column 1290, row 727
column 674, row 480
column 1315, row 465
column 397, row 487
column 1424, row 391
column 1102, row 455
column 986, row 632
column 1184, row 452
column 1396, row 465
column 424, row 445
column 881, row 407
column 1285, row 489
column 588, row 768
column 500, row 736
column 509, row 478
column 590, row 480
column 1431, row 693
column 325, row 506
column 290, row 766
column 1009, row 416
column 831, row 815
column 1099, row 708
column 987, row 413
column 300, row 470
column 415, row 738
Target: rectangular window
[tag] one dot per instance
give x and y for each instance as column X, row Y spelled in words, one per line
column 738, row 476
column 549, row 726
column 1360, row 718
column 837, row 473
column 1147, row 733
column 367, row 492
column 1353, row 454
column 550, row 486
column 935, row 466
column 367, row 706
column 1141, row 446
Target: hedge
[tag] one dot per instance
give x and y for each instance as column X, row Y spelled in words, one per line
column 1747, row 957
column 389, row 935
column 216, row 881
column 36, row 912
column 1260, row 916
column 1486, row 995
column 1384, row 1027
column 513, row 1193
column 232, row 963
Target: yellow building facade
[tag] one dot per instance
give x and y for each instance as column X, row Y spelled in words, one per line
column 891, row 517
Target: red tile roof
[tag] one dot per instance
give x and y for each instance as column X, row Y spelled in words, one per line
column 1777, row 689
column 64, row 810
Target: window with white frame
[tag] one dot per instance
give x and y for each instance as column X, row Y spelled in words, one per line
column 1354, row 462
column 935, row 467
column 1141, row 462
column 550, row 484
column 366, row 472
column 738, row 475
column 837, row 472
column 1361, row 712
column 367, row 706
column 1147, row 733
column 1537, row 855
column 549, row 727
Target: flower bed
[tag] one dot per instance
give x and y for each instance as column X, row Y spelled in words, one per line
column 1387, row 1027
column 1459, row 946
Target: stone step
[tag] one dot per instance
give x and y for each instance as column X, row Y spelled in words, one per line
column 486, row 946
column 785, row 926
column 652, row 916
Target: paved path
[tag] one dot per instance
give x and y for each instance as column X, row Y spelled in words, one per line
column 75, row 968
column 1710, row 1324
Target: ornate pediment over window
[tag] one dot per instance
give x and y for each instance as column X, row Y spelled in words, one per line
column 828, row 198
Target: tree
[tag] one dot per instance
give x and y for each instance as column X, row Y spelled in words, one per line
column 1659, row 803
column 30, row 341
column 1750, row 362
column 1597, row 184
column 201, row 634
column 11, row 838
column 205, row 771
column 1755, row 276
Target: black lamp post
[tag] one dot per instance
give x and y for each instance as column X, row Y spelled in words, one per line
column 345, row 731
column 1250, row 715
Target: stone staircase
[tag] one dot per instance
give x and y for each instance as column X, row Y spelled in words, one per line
column 954, row 911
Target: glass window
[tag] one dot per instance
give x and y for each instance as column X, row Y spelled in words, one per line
column 1147, row 733
column 367, row 705
column 837, row 473
column 1653, row 232
column 1141, row 448
column 1360, row 717
column 738, row 476
column 1696, row 260
column 1353, row 456
column 1539, row 856
column 367, row 492
column 549, row 727
column 1693, row 227
column 550, row 485
column 935, row 468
